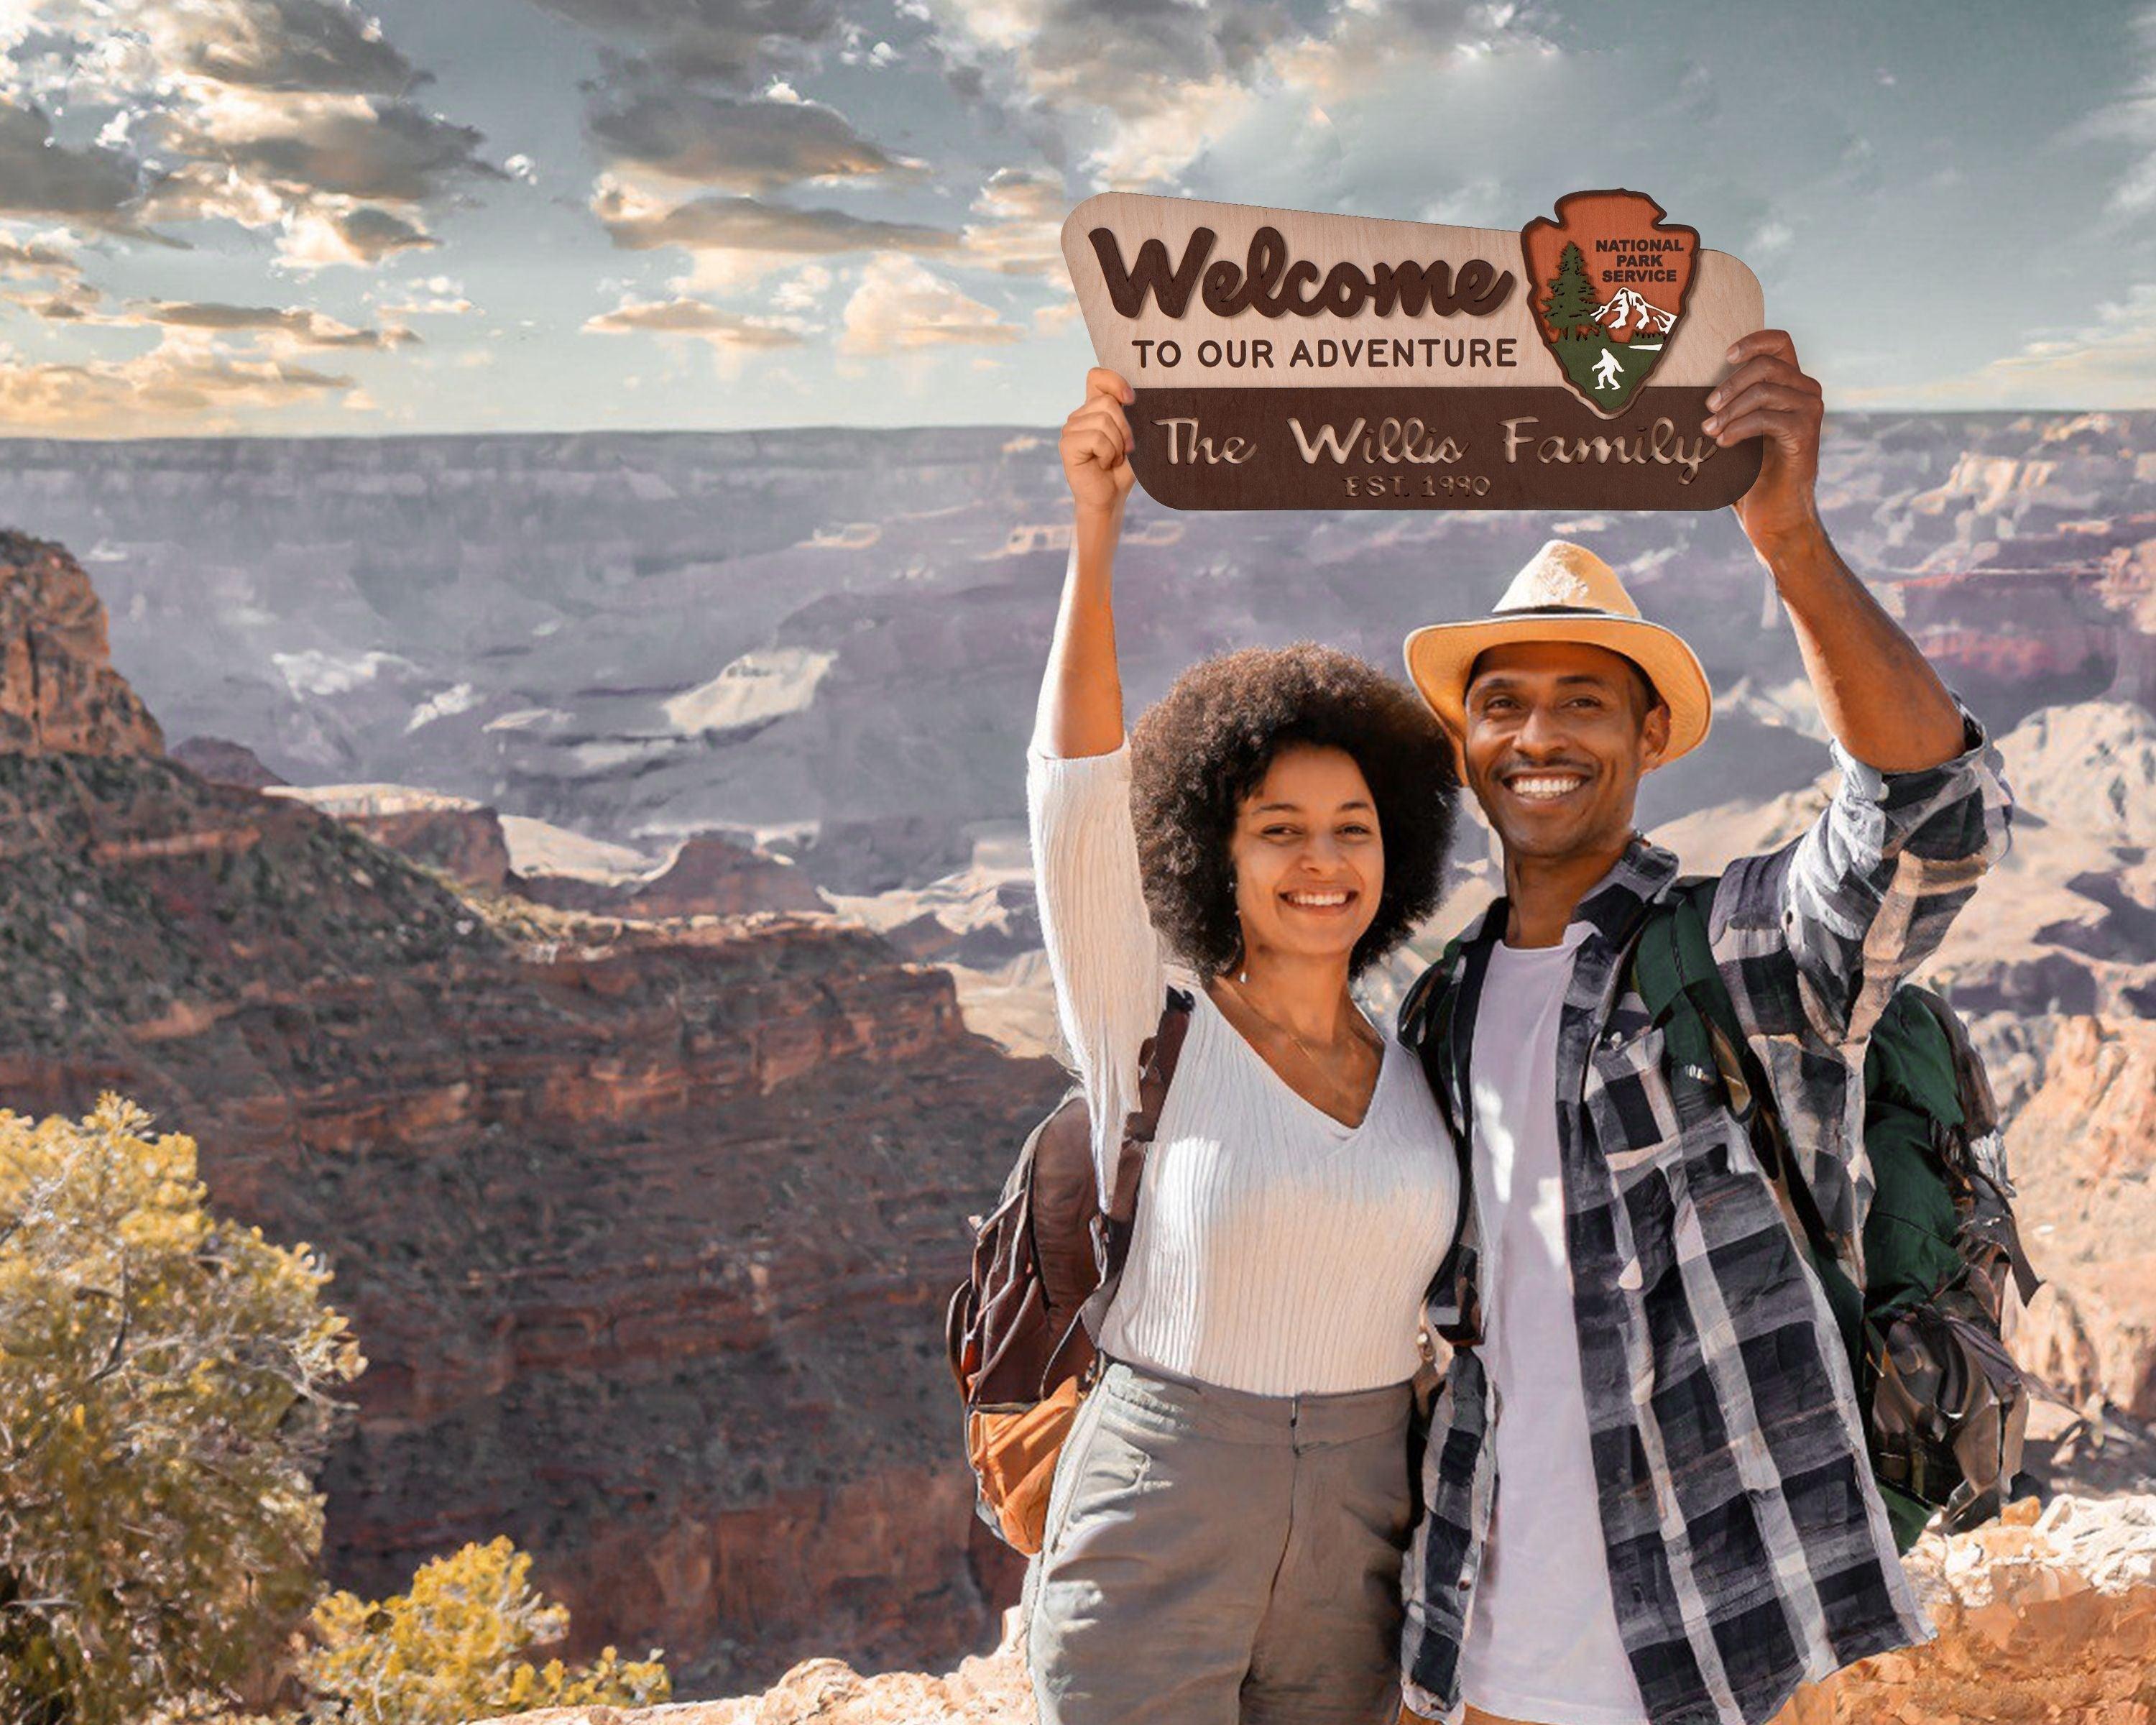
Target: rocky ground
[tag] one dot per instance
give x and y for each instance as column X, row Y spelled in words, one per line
column 2049, row 1615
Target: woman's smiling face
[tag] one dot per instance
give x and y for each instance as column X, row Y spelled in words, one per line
column 1309, row 861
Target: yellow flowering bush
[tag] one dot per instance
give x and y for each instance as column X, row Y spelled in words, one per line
column 456, row 1647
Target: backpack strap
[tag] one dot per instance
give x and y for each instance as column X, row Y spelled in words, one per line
column 1156, row 1064
column 1710, row 1064
column 1981, row 1155
column 1112, row 1228
column 1437, row 1020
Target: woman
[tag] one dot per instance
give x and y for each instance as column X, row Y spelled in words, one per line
column 1223, row 1540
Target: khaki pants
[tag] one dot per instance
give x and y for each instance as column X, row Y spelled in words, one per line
column 1214, row 1557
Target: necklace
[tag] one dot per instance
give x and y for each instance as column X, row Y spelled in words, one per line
column 1360, row 1032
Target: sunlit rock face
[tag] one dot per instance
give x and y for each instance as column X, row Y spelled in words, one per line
column 58, row 693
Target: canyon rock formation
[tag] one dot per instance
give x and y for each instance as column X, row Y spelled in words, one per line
column 646, row 637
column 644, row 1226
column 2085, row 1161
column 58, row 689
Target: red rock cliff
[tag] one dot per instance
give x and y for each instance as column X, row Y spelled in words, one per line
column 58, row 689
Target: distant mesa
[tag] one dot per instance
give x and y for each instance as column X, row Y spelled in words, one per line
column 1055, row 536
column 223, row 761
column 753, row 690
column 539, row 847
column 1049, row 536
column 709, row 874
column 461, row 837
column 849, row 536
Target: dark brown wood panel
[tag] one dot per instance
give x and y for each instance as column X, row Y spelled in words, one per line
column 1381, row 447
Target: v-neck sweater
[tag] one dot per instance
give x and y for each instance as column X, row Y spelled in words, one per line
column 1276, row 1250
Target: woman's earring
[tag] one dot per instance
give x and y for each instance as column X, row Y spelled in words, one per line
column 1243, row 971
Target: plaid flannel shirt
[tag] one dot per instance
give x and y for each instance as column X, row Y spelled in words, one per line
column 1748, row 1550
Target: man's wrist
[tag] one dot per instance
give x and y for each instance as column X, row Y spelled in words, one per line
column 1796, row 547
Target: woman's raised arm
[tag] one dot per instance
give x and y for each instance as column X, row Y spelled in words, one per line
column 1082, row 694
column 1101, row 952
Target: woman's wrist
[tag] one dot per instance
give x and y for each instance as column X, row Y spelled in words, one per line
column 1098, row 517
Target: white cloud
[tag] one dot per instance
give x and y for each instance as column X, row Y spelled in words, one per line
column 901, row 307
column 2110, row 363
column 431, row 296
column 1021, row 231
column 685, row 316
column 288, row 115
column 2132, row 118
column 1150, row 90
column 803, row 290
column 188, row 383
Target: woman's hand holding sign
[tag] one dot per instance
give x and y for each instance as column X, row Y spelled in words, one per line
column 1081, row 696
column 1096, row 445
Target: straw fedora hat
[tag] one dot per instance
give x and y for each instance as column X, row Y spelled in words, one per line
column 1565, row 594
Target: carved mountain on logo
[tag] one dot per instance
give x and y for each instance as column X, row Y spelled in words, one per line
column 1628, row 313
column 1608, row 280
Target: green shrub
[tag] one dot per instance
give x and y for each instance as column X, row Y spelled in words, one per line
column 166, row 1399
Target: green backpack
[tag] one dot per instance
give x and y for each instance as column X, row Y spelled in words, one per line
column 1944, row 1403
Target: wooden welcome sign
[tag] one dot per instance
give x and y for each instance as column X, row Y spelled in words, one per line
column 1284, row 359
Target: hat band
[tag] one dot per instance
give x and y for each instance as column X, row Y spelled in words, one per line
column 1562, row 611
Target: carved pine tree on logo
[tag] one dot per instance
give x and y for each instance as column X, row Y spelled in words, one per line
column 1569, row 310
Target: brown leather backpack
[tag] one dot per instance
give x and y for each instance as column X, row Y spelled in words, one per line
column 1020, row 1329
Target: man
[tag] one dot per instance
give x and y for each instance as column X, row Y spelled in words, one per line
column 1648, row 1497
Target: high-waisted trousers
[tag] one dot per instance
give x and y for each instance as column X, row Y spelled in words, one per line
column 1216, row 1557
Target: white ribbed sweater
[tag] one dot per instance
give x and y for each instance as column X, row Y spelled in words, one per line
column 1275, row 1250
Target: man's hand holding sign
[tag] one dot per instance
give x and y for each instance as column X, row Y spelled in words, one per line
column 1878, row 693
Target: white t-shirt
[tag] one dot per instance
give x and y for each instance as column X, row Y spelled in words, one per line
column 1541, row 1637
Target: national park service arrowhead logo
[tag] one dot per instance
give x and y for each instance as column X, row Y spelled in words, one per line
column 1609, row 278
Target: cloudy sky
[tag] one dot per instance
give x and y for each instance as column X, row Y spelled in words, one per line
column 308, row 216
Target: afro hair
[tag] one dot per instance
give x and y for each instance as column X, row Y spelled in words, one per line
column 1206, row 746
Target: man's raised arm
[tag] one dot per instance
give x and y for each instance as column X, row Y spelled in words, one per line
column 1879, row 696
column 1922, row 811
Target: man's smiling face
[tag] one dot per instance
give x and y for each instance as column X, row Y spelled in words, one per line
column 1558, row 735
